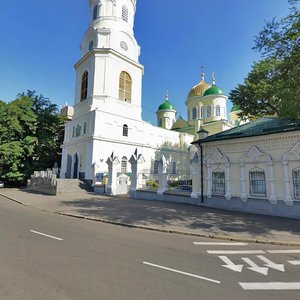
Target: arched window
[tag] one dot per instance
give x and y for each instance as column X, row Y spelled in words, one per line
column 95, row 12
column 208, row 112
column 155, row 167
column 84, row 86
column 194, row 112
column 296, row 183
column 124, row 164
column 257, row 183
column 125, row 84
column 174, row 167
column 218, row 182
column 218, row 111
column 91, row 45
column 201, row 112
column 84, row 128
column 125, row 13
column 160, row 122
column 125, row 130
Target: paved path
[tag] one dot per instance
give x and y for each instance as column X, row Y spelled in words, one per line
column 164, row 216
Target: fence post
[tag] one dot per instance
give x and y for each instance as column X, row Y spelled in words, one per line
column 196, row 189
column 162, row 175
column 136, row 161
column 112, row 162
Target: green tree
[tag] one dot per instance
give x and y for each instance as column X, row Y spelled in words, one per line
column 272, row 86
column 31, row 133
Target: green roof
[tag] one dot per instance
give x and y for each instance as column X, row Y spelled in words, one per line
column 235, row 107
column 167, row 106
column 213, row 90
column 262, row 126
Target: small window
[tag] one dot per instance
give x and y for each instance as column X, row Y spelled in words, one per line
column 78, row 131
column 218, row 111
column 84, row 86
column 125, row 13
column 257, row 183
column 296, row 183
column 73, row 133
column 125, row 130
column 91, row 45
column 201, row 112
column 155, row 167
column 125, row 85
column 218, row 182
column 160, row 122
column 95, row 12
column 174, row 167
column 194, row 112
column 124, row 164
column 208, row 112
column 84, row 128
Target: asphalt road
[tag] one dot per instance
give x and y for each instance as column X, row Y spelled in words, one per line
column 47, row 256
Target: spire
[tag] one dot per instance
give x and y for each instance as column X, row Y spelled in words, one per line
column 167, row 95
column 202, row 73
column 213, row 78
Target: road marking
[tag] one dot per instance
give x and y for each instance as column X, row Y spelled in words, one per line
column 270, row 285
column 294, row 262
column 271, row 264
column 181, row 272
column 235, row 251
column 49, row 236
column 254, row 267
column 220, row 244
column 283, row 251
column 230, row 265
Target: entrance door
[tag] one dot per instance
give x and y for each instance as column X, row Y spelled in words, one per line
column 75, row 166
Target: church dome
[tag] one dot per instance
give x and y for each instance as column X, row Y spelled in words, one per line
column 199, row 89
column 167, row 105
column 213, row 90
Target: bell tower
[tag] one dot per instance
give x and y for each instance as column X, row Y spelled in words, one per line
column 109, row 75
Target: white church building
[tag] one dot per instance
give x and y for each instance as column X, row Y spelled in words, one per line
column 107, row 125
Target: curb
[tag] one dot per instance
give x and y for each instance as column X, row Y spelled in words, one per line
column 149, row 228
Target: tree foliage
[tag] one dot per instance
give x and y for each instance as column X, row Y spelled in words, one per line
column 272, row 86
column 31, row 133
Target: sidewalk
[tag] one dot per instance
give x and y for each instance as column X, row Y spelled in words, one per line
column 163, row 216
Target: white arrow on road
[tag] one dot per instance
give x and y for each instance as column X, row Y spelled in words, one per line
column 271, row 264
column 230, row 265
column 254, row 267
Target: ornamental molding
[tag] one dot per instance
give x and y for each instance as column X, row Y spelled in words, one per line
column 254, row 154
column 217, row 157
column 293, row 153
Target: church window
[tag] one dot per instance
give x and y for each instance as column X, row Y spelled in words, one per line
column 160, row 122
column 84, row 86
column 91, row 45
column 125, row 130
column 73, row 133
column 95, row 12
column 155, row 167
column 174, row 167
column 201, row 112
column 84, row 128
column 257, row 183
column 296, row 183
column 208, row 112
column 125, row 85
column 78, row 131
column 194, row 112
column 218, row 182
column 125, row 13
column 124, row 164
column 218, row 111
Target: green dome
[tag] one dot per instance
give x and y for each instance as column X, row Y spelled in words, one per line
column 167, row 106
column 235, row 107
column 213, row 90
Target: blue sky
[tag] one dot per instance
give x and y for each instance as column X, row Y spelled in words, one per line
column 40, row 44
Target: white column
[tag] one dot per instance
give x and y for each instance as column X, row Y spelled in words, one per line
column 273, row 198
column 64, row 161
column 288, row 199
column 243, row 182
column 228, row 182
column 196, row 189
column 136, row 162
column 209, row 174
column 112, row 175
column 163, row 176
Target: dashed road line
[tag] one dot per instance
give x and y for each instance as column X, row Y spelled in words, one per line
column 181, row 272
column 219, row 244
column 235, row 252
column 294, row 262
column 270, row 285
column 46, row 235
column 284, row 251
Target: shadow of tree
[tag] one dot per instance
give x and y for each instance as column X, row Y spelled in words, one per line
column 186, row 217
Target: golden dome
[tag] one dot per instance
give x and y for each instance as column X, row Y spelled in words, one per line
column 199, row 89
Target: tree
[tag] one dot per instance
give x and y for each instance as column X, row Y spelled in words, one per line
column 272, row 86
column 31, row 133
